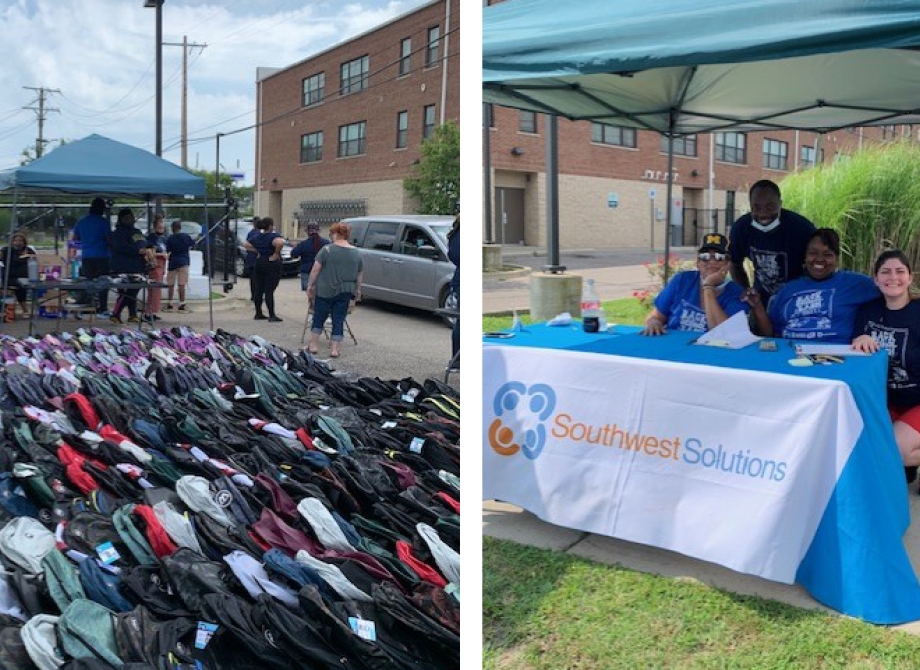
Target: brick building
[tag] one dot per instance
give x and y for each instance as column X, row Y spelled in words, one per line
column 340, row 130
column 613, row 180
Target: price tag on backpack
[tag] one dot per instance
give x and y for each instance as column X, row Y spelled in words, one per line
column 416, row 445
column 108, row 554
column 388, row 424
column 204, row 634
column 363, row 628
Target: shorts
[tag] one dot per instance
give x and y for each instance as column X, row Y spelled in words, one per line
column 180, row 274
column 908, row 415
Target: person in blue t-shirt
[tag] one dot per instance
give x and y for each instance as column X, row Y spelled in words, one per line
column 129, row 256
column 94, row 233
column 177, row 266
column 698, row 300
column 306, row 251
column 772, row 238
column 892, row 323
column 822, row 305
column 267, row 273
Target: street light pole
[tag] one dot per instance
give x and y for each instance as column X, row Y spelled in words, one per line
column 158, row 5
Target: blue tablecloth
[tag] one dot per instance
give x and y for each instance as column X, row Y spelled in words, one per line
column 856, row 562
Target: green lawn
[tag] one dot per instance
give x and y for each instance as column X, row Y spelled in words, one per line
column 544, row 610
column 624, row 310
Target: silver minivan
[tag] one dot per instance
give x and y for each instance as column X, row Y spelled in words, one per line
column 405, row 258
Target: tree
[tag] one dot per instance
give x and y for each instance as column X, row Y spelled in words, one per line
column 30, row 153
column 436, row 177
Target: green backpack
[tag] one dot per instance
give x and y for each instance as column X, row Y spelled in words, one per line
column 86, row 629
column 62, row 579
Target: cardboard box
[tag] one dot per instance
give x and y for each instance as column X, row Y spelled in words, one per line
column 52, row 266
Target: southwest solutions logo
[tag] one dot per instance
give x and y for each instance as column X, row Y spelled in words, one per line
column 533, row 406
column 530, row 436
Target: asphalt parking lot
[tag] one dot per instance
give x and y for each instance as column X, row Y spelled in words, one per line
column 393, row 342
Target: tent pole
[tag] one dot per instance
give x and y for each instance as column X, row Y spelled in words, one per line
column 670, row 189
column 552, row 196
column 7, row 264
column 487, row 168
column 207, row 245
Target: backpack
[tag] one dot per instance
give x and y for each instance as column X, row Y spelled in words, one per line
column 101, row 586
column 25, row 541
column 134, row 540
column 86, row 630
column 62, row 579
column 193, row 577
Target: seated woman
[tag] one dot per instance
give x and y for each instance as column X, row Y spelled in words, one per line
column 821, row 305
column 16, row 259
column 701, row 299
column 892, row 323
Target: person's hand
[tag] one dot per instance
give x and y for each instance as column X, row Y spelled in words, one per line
column 752, row 297
column 715, row 278
column 865, row 344
column 653, row 326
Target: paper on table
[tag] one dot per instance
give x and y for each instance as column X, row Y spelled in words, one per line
column 733, row 333
column 827, row 350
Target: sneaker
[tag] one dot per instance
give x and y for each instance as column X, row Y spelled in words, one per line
column 133, row 319
column 168, row 307
column 182, row 308
column 116, row 320
column 275, row 319
column 260, row 317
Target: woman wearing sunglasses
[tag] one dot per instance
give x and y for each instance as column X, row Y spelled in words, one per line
column 822, row 304
column 701, row 299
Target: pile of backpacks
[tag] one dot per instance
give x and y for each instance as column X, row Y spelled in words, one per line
column 175, row 499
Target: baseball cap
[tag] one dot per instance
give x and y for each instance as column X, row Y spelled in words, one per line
column 312, row 227
column 714, row 242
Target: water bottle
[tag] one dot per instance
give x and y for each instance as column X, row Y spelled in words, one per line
column 590, row 308
column 33, row 268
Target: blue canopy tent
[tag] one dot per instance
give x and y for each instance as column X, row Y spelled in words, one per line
column 101, row 166
column 680, row 68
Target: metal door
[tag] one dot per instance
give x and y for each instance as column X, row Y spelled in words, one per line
column 510, row 206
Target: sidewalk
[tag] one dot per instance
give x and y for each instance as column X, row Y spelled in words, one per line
column 508, row 522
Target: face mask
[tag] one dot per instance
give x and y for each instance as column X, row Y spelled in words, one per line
column 765, row 228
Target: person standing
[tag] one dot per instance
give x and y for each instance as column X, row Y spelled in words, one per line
column 267, row 272
column 306, row 251
column 94, row 233
column 156, row 240
column 334, row 286
column 16, row 264
column 892, row 323
column 177, row 267
column 129, row 256
column 773, row 238
column 453, row 253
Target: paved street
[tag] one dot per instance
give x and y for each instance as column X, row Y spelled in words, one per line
column 393, row 342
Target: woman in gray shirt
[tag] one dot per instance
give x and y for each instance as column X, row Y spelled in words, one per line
column 334, row 286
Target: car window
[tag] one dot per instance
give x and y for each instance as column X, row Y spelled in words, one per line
column 414, row 237
column 441, row 230
column 381, row 236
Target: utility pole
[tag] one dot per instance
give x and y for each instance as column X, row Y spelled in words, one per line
column 41, row 110
column 185, row 47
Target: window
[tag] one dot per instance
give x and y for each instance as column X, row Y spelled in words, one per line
column 311, row 147
column 775, row 154
column 352, row 139
column 381, row 236
column 354, row 75
column 615, row 135
column 413, row 239
column 731, row 148
column 889, row 132
column 313, row 89
column 528, row 122
column 683, row 146
column 402, row 129
column 428, row 126
column 434, row 44
column 807, row 156
column 405, row 56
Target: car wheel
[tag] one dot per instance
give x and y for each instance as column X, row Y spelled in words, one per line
column 449, row 301
column 239, row 267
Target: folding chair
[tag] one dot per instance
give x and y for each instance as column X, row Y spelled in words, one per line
column 327, row 327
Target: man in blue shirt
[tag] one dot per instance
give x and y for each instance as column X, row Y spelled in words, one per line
column 94, row 233
column 178, row 245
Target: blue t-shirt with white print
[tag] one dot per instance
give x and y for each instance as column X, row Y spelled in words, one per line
column 821, row 311
column 679, row 301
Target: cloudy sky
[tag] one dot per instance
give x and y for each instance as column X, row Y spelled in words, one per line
column 100, row 56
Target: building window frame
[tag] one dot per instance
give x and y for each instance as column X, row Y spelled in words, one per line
column 314, row 89
column 402, row 129
column 611, row 135
column 527, row 121
column 352, row 139
column 405, row 56
column 433, row 48
column 685, row 145
column 354, row 75
column 775, row 154
column 806, row 156
column 731, row 148
column 311, row 147
column 429, row 120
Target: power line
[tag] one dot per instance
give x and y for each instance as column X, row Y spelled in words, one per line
column 40, row 113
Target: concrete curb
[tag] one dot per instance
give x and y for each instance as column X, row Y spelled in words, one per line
column 501, row 275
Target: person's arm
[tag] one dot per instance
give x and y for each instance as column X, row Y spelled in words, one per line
column 739, row 274
column 296, row 251
column 311, row 281
column 277, row 243
column 655, row 323
column 358, row 282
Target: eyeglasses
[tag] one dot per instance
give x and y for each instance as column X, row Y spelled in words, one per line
column 714, row 256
